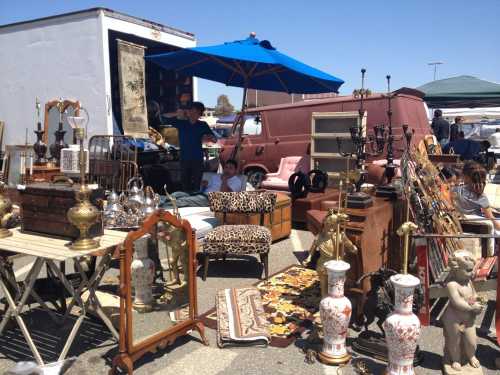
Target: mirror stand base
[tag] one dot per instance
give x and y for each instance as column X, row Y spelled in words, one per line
column 125, row 361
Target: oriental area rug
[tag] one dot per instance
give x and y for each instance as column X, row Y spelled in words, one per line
column 290, row 298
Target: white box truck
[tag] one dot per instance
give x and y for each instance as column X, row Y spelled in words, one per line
column 74, row 56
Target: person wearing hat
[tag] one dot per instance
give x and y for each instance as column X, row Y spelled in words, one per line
column 192, row 133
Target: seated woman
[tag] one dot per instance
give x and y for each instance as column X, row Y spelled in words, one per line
column 227, row 181
column 470, row 199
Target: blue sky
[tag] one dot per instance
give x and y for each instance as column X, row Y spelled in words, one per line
column 397, row 37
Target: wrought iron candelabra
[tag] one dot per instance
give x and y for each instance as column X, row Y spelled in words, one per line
column 375, row 144
column 389, row 190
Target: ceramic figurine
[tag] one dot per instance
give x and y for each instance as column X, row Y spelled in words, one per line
column 460, row 341
column 143, row 273
column 335, row 311
column 325, row 244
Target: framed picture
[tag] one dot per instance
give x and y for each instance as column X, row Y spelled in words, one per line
column 12, row 160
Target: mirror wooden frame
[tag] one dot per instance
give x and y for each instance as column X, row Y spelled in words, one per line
column 75, row 104
column 129, row 353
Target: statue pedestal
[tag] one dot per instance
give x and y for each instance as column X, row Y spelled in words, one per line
column 466, row 369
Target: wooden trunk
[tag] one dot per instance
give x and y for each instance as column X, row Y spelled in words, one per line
column 280, row 225
column 44, row 208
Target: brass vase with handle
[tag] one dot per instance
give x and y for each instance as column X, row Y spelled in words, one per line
column 84, row 214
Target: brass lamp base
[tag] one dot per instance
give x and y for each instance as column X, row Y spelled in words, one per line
column 84, row 244
column 333, row 360
column 4, row 233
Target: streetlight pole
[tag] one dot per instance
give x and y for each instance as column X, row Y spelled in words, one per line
column 435, row 65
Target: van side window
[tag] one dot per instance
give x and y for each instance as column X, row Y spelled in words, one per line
column 252, row 126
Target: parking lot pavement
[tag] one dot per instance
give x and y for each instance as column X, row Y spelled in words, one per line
column 95, row 348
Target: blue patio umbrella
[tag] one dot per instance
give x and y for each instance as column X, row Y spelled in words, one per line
column 248, row 63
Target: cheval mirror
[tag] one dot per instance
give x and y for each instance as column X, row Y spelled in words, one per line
column 54, row 113
column 156, row 307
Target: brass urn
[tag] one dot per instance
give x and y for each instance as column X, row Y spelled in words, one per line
column 84, row 214
column 5, row 209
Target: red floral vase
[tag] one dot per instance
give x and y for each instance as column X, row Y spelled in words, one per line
column 402, row 327
column 143, row 273
column 335, row 312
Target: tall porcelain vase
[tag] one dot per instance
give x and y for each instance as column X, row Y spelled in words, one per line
column 402, row 327
column 143, row 272
column 335, row 311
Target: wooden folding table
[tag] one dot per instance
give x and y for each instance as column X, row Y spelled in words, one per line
column 47, row 251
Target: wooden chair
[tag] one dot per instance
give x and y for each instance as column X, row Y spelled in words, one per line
column 240, row 239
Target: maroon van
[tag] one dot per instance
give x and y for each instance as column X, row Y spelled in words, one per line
column 285, row 130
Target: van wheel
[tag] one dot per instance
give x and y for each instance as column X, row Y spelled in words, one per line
column 255, row 177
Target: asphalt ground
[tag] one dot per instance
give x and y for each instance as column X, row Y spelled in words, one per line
column 94, row 347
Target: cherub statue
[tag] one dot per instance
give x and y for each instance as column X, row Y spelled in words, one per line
column 460, row 341
column 175, row 239
column 177, row 242
column 325, row 243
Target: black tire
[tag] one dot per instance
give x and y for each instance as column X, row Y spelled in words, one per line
column 298, row 185
column 255, row 177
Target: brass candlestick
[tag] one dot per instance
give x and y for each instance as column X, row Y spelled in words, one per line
column 405, row 230
column 84, row 214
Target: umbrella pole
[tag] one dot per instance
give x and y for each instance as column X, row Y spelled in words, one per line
column 241, row 119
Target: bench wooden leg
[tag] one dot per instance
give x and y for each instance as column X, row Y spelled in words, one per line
column 265, row 262
column 205, row 266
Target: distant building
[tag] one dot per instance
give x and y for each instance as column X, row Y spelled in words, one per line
column 259, row 98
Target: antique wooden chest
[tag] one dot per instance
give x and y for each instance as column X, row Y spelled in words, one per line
column 44, row 207
column 280, row 225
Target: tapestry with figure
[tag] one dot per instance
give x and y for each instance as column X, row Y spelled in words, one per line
column 132, row 89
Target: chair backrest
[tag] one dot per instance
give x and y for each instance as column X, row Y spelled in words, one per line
column 288, row 166
column 243, row 178
column 242, row 202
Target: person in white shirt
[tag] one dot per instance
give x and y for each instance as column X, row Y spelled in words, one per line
column 494, row 139
column 228, row 181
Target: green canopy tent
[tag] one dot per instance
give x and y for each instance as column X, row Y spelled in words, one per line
column 461, row 92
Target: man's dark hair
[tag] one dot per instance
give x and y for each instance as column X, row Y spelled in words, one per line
column 485, row 145
column 438, row 113
column 233, row 162
column 447, row 173
column 199, row 106
column 497, row 130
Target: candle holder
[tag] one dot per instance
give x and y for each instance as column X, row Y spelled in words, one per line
column 388, row 190
column 39, row 146
column 358, row 199
column 56, row 147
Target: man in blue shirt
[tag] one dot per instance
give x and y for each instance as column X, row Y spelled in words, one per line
column 192, row 132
